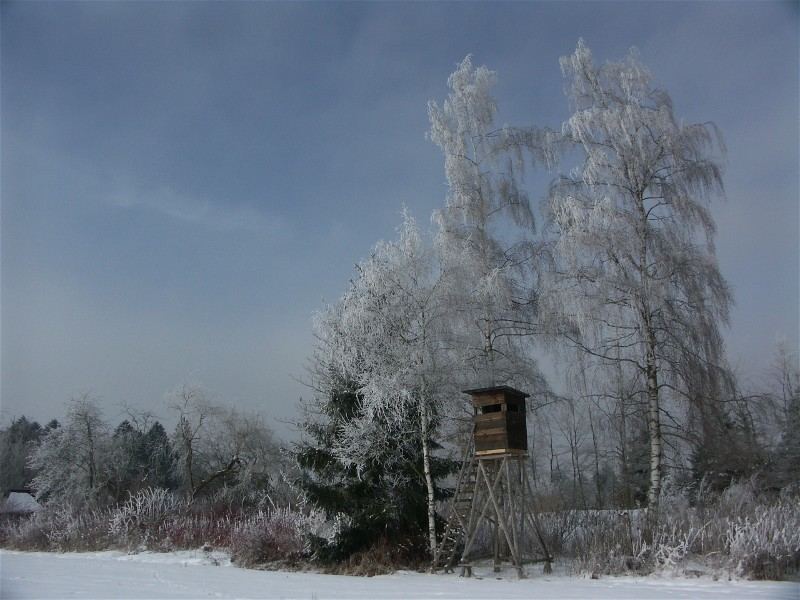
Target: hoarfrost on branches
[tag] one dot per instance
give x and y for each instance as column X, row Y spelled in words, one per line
column 636, row 276
column 71, row 461
column 485, row 230
column 386, row 336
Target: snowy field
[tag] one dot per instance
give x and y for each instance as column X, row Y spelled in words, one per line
column 195, row 575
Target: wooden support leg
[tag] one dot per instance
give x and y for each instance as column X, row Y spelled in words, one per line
column 473, row 523
column 496, row 541
column 501, row 520
column 548, row 568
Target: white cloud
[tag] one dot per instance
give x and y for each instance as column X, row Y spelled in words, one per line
column 214, row 215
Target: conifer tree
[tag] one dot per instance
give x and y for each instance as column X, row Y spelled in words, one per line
column 383, row 498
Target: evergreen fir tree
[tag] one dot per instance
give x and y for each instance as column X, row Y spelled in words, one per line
column 127, row 464
column 160, row 470
column 639, row 468
column 386, row 500
column 787, row 458
column 727, row 452
column 16, row 443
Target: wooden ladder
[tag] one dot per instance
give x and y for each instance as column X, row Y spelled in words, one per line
column 460, row 508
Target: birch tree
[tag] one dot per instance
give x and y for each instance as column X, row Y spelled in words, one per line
column 636, row 271
column 485, row 228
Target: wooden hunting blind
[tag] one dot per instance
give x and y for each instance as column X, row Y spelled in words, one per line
column 493, row 493
column 499, row 424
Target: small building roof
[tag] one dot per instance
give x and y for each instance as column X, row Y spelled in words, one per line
column 19, row 502
column 497, row 388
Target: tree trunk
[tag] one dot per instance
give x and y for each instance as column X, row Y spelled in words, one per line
column 585, row 391
column 426, row 465
column 651, row 367
column 627, row 495
column 597, row 482
column 654, row 424
column 188, row 460
column 554, row 467
column 90, row 439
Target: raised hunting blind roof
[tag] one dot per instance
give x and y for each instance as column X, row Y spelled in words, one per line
column 499, row 424
column 494, row 389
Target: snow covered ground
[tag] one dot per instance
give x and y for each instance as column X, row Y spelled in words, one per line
column 199, row 575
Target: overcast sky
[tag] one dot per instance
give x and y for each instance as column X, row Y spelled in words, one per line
column 184, row 184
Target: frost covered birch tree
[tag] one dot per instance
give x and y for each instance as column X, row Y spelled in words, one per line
column 485, row 228
column 636, row 271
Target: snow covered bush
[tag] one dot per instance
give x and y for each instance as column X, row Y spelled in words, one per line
column 278, row 534
column 190, row 531
column 599, row 541
column 60, row 527
column 766, row 543
column 139, row 518
column 740, row 532
column 18, row 533
column 73, row 529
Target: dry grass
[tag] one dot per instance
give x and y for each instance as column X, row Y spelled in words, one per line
column 739, row 533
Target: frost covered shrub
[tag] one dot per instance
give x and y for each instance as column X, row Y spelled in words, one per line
column 557, row 529
column 738, row 498
column 268, row 536
column 382, row 557
column 20, row 533
column 739, row 531
column 155, row 519
column 599, row 541
column 189, row 531
column 138, row 519
column 766, row 543
column 132, row 526
column 614, row 542
column 60, row 527
column 74, row 529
